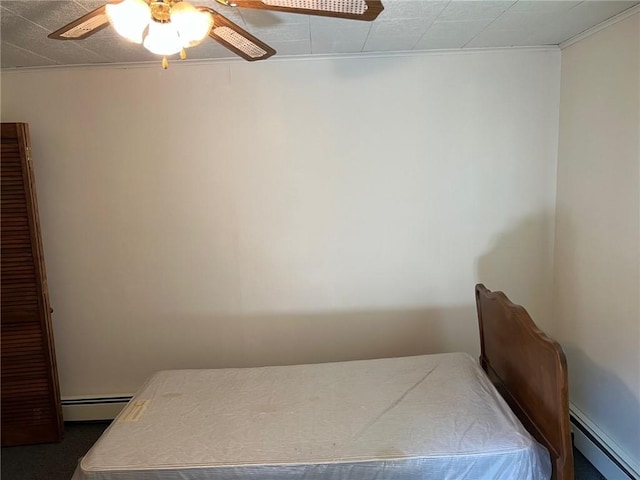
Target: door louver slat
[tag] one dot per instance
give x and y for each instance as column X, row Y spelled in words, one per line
column 30, row 400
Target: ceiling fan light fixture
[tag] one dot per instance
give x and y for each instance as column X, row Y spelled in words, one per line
column 168, row 27
column 162, row 39
column 193, row 25
column 129, row 18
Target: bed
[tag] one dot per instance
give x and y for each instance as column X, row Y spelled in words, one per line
column 441, row 416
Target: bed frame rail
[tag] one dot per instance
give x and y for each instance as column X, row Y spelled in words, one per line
column 529, row 370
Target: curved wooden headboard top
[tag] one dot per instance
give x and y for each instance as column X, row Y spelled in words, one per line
column 529, row 370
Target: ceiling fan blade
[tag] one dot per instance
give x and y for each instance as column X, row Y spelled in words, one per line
column 367, row 10
column 239, row 41
column 84, row 26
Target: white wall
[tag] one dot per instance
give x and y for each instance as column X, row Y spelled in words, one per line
column 235, row 214
column 597, row 287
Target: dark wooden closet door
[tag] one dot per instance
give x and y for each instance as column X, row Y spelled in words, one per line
column 31, row 410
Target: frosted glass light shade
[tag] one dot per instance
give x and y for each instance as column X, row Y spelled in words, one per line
column 162, row 39
column 192, row 24
column 129, row 18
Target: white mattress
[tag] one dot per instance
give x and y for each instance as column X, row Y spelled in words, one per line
column 425, row 417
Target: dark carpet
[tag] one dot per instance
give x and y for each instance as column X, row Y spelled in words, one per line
column 57, row 461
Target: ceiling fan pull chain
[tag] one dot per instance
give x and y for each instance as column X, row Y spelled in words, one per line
column 165, row 63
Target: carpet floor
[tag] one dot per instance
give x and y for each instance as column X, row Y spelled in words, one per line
column 57, row 461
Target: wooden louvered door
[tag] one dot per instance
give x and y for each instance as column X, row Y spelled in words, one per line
column 31, row 410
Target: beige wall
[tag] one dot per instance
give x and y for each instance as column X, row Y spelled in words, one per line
column 233, row 214
column 597, row 287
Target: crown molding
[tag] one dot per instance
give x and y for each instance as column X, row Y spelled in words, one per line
column 289, row 58
column 601, row 26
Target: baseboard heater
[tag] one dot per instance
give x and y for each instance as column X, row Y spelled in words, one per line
column 94, row 408
column 600, row 450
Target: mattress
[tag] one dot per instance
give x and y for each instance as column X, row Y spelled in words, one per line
column 422, row 417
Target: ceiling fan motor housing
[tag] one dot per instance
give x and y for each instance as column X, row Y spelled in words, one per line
column 161, row 10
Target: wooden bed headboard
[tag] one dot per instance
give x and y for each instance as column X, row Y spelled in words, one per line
column 529, row 370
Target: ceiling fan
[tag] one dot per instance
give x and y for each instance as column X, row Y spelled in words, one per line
column 167, row 27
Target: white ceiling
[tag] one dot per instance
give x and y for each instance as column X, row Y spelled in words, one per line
column 404, row 25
